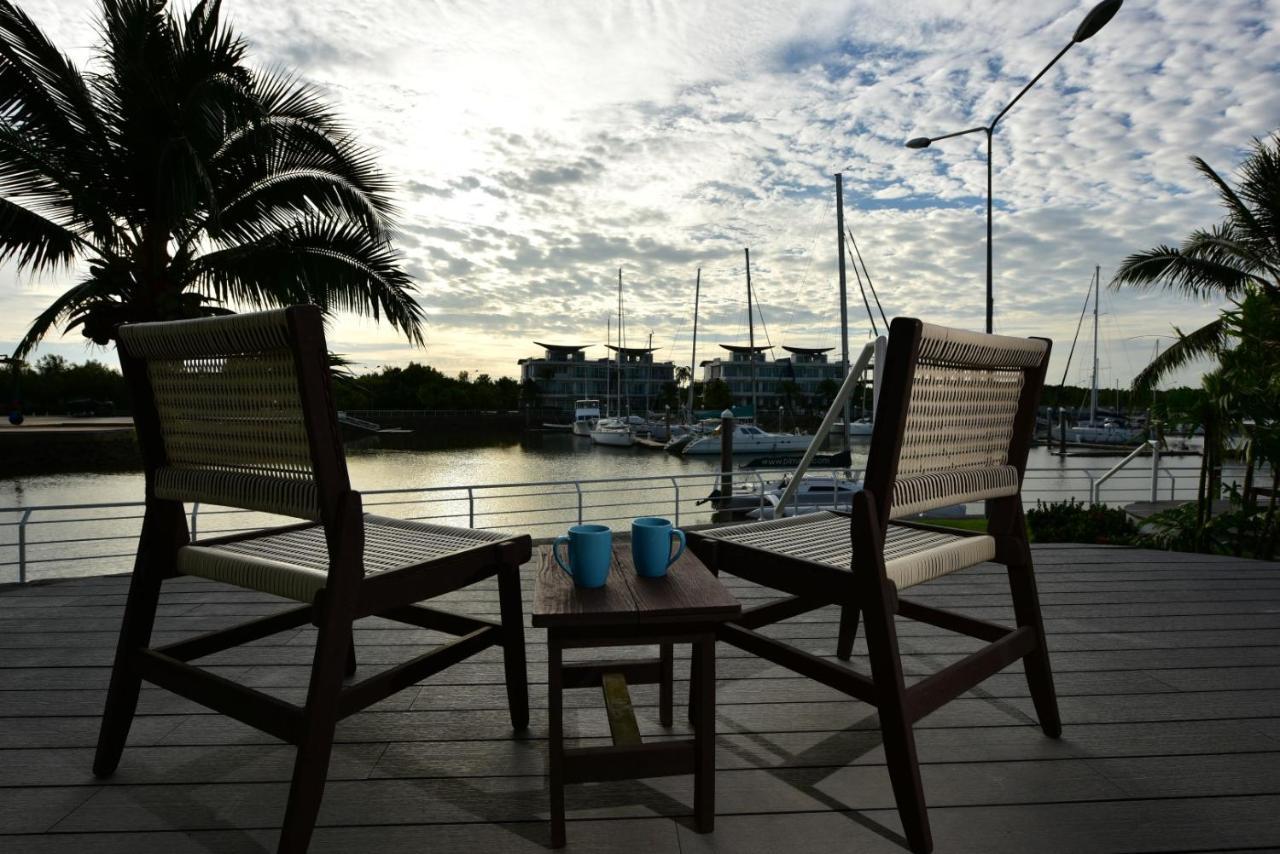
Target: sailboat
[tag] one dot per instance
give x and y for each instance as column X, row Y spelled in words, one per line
column 615, row 431
column 747, row 438
column 1108, row 431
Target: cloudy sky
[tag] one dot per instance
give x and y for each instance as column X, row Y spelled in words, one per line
column 540, row 146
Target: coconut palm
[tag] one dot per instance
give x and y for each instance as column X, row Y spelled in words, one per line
column 1235, row 259
column 178, row 182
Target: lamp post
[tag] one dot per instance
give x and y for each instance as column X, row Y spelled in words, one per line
column 1097, row 18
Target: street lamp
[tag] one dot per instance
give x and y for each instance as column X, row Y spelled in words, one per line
column 1096, row 19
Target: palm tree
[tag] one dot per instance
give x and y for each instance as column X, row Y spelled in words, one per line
column 180, row 183
column 1234, row 259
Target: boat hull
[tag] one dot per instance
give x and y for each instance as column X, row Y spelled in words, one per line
column 613, row 440
column 709, row 445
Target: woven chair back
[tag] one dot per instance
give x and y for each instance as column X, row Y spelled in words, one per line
column 238, row 417
column 960, row 411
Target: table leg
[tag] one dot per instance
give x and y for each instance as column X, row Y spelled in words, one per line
column 704, row 775
column 665, row 689
column 694, row 669
column 555, row 747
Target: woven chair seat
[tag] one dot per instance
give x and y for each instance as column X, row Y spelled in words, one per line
column 294, row 563
column 912, row 556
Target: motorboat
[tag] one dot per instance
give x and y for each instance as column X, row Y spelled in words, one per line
column 614, row 432
column 749, row 439
column 585, row 415
column 816, row 492
column 756, row 500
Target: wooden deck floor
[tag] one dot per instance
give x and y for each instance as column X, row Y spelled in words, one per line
column 1168, row 671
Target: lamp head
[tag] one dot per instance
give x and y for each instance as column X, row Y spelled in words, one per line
column 1097, row 18
column 919, row 142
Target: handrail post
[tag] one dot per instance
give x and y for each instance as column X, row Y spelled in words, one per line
column 578, row 487
column 195, row 518
column 726, row 458
column 471, row 507
column 676, row 486
column 1155, row 469
column 22, row 546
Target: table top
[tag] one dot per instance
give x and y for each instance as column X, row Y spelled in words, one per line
column 687, row 593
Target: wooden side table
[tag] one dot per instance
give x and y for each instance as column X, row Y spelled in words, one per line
column 685, row 606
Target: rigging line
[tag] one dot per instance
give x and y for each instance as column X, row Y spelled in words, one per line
column 1071, row 352
column 863, row 291
column 868, row 275
column 760, row 311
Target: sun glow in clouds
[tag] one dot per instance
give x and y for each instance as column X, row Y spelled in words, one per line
column 540, row 146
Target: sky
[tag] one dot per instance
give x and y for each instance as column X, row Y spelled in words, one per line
column 538, row 147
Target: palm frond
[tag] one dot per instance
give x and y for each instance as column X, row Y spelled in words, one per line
column 268, row 203
column 1207, row 341
column 1237, row 211
column 35, row 242
column 41, row 90
column 1260, row 188
column 338, row 266
column 67, row 303
column 1179, row 270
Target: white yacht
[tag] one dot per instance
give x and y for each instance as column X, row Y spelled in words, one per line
column 749, row 439
column 613, row 431
column 1107, row 432
column 585, row 415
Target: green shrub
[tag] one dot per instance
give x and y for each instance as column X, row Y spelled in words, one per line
column 1073, row 521
column 1239, row 530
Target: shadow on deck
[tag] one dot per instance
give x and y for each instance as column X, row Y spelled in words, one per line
column 1168, row 674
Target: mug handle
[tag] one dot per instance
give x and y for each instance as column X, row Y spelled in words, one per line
column 676, row 532
column 555, row 552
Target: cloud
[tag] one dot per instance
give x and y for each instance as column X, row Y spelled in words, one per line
column 539, row 147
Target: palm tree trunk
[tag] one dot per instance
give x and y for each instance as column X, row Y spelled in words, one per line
column 1250, row 462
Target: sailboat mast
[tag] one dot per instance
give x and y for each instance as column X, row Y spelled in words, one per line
column 751, row 334
column 693, row 352
column 608, row 339
column 1093, row 396
column 844, row 305
column 620, row 340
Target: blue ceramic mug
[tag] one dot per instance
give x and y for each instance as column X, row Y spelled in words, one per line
column 590, row 553
column 651, row 545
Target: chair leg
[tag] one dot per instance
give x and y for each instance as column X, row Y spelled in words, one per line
column 164, row 530
column 351, row 657
column 878, row 599
column 1026, row 607
column 311, row 767
column 122, row 695
column 848, row 631
column 513, row 655
column 899, row 739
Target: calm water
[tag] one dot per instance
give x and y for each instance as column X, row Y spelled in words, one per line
column 85, row 542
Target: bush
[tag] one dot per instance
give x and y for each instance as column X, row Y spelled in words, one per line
column 1073, row 521
column 1240, row 530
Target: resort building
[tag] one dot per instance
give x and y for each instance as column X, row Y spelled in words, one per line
column 805, row 367
column 564, row 374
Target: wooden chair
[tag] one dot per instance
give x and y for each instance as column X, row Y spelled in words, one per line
column 237, row 411
column 954, row 423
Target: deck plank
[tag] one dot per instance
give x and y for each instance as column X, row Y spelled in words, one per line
column 1168, row 672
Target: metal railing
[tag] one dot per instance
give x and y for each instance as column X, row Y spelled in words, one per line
column 59, row 540
column 1150, row 445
